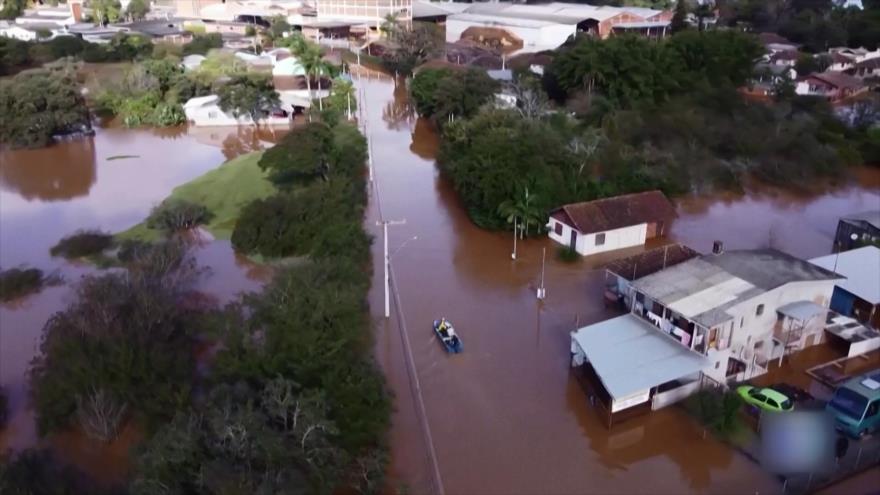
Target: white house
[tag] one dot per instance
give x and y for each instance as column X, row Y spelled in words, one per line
column 289, row 66
column 192, row 62
column 717, row 318
column 206, row 111
column 612, row 223
column 741, row 309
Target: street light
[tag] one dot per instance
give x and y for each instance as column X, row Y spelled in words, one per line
column 385, row 224
column 403, row 244
column 513, row 254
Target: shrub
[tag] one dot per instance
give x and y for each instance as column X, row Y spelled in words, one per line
column 203, row 43
column 81, row 244
column 16, row 282
column 37, row 472
column 121, row 349
column 174, row 215
column 717, row 410
column 567, row 255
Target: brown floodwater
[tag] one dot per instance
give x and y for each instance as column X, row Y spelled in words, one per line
column 506, row 416
column 109, row 182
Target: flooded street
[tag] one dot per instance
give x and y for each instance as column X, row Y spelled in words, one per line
column 109, row 182
column 506, row 416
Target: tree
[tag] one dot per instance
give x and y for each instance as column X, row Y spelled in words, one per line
column 106, row 11
column 36, row 106
column 443, row 94
column 121, row 349
column 12, row 8
column 250, row 95
column 137, row 10
column 679, row 18
column 411, row 46
column 806, row 64
column 342, row 96
column 176, row 215
column 203, row 43
column 278, row 26
column 423, row 88
column 531, row 99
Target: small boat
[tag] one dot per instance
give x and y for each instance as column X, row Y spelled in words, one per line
column 448, row 336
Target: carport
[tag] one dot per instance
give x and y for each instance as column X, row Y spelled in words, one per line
column 630, row 367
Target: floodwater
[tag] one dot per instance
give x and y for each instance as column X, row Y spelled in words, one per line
column 109, row 182
column 506, row 416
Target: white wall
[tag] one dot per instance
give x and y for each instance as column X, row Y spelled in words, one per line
column 212, row 115
column 19, row 33
column 549, row 35
column 670, row 397
column 614, row 239
column 750, row 328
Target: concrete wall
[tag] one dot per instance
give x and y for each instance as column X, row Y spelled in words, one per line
column 670, row 397
column 614, row 239
column 213, row 116
column 749, row 328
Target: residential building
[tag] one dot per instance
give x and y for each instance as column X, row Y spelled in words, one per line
column 542, row 27
column 712, row 319
column 847, row 4
column 31, row 32
column 859, row 295
column 774, row 43
column 786, row 58
column 205, row 110
column 857, row 230
column 866, row 68
column 192, row 62
column 192, row 9
column 841, row 61
column 833, row 86
column 370, row 11
column 621, row 272
column 165, row 30
column 768, row 77
column 612, row 223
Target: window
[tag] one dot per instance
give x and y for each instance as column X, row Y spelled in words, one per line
column 873, row 409
column 212, row 115
column 760, row 310
column 741, row 321
column 600, row 239
column 557, row 227
column 717, row 364
column 772, row 403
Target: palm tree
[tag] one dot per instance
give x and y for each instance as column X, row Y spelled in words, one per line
column 389, row 24
column 524, row 208
column 310, row 58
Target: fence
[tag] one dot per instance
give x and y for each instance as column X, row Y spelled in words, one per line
column 860, row 456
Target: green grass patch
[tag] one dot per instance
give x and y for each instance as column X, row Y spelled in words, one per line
column 224, row 191
column 567, row 255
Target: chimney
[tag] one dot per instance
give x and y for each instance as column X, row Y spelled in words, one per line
column 717, row 247
column 76, row 8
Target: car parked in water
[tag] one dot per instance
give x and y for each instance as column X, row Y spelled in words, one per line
column 856, row 405
column 765, row 398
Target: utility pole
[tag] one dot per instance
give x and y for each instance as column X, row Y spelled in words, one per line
column 542, row 292
column 513, row 254
column 385, row 224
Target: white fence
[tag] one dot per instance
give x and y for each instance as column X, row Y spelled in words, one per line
column 670, row 397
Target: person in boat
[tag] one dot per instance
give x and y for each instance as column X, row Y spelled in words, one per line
column 442, row 327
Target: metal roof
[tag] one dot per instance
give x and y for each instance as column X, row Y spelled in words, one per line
column 861, row 267
column 642, row 25
column 871, row 217
column 702, row 289
column 629, row 355
column 802, row 310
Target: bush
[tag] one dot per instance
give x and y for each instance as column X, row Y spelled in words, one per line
column 35, row 106
column 175, row 215
column 717, row 410
column 82, row 244
column 122, row 349
column 441, row 93
column 16, row 282
column 203, row 43
column 36, row 472
column 567, row 255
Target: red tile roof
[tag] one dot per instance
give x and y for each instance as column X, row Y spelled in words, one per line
column 838, row 80
column 617, row 212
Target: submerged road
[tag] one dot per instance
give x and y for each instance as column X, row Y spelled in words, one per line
column 505, row 416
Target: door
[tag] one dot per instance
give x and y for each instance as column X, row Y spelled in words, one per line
column 573, row 242
column 651, row 231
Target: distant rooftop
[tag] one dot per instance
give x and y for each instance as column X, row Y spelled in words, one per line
column 870, row 217
column 861, row 267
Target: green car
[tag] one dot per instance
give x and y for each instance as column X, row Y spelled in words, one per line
column 765, row 398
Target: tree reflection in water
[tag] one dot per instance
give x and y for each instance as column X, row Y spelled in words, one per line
column 60, row 172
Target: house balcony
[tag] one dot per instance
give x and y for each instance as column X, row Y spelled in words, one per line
column 674, row 329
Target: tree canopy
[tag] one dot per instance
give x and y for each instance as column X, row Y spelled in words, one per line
column 37, row 105
column 248, row 95
column 443, row 93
